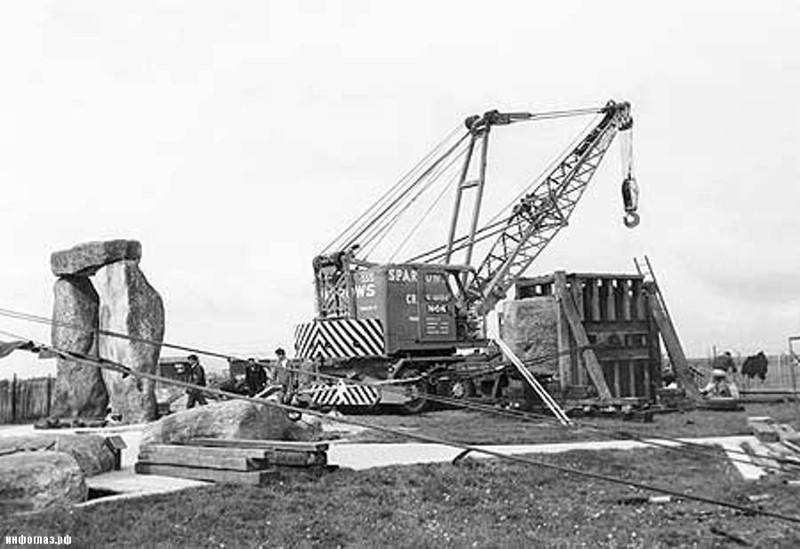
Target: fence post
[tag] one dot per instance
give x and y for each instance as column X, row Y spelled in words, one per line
column 49, row 394
column 14, row 399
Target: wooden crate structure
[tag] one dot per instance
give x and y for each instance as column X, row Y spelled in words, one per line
column 609, row 312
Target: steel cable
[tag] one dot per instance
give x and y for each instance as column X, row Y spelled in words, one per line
column 117, row 367
column 433, row 398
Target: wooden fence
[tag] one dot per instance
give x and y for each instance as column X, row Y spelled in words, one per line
column 24, row 400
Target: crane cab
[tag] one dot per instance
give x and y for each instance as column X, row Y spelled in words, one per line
column 397, row 309
column 420, row 306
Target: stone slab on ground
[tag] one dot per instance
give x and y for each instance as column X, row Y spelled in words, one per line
column 33, row 481
column 90, row 451
column 230, row 419
column 85, row 259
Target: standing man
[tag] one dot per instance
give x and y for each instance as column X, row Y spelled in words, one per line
column 255, row 377
column 282, row 374
column 197, row 376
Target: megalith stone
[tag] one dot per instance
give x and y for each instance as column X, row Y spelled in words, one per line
column 90, row 451
column 530, row 328
column 86, row 259
column 232, row 419
column 79, row 389
column 130, row 305
column 33, row 481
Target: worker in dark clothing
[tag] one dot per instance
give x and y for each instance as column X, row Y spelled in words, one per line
column 725, row 363
column 197, row 376
column 255, row 377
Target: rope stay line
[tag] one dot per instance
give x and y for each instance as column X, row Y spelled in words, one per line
column 120, row 368
column 528, row 416
column 386, row 223
column 346, row 234
column 397, row 202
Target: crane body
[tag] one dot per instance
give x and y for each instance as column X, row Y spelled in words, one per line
column 409, row 323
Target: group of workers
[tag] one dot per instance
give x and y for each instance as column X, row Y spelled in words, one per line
column 276, row 380
column 720, row 385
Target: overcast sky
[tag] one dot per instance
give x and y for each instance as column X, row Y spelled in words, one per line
column 235, row 139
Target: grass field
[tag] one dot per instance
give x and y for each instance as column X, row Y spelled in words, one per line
column 473, row 504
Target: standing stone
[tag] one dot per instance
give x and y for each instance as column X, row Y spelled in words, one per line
column 85, row 259
column 530, row 328
column 79, row 389
column 130, row 306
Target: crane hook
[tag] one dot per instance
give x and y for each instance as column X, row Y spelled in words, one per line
column 630, row 200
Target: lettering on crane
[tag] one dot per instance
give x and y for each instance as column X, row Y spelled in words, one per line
column 402, row 275
column 436, row 308
column 435, row 278
column 365, row 290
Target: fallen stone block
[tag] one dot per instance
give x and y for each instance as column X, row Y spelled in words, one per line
column 306, row 429
column 233, row 419
column 85, row 259
column 33, row 481
column 90, row 451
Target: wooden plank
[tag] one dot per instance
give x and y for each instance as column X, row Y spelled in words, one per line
column 627, row 290
column 589, row 358
column 576, row 287
column 624, row 353
column 638, row 312
column 594, row 297
column 564, row 358
column 632, row 372
column 209, row 475
column 608, row 275
column 263, row 444
column 229, row 463
column 207, row 451
column 674, row 348
column 230, row 458
column 611, row 300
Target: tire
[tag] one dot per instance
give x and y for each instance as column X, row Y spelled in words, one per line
column 462, row 389
column 414, row 391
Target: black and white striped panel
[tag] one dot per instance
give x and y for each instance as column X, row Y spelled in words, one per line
column 343, row 394
column 340, row 338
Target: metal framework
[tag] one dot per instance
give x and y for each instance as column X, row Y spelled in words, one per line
column 543, row 212
column 520, row 237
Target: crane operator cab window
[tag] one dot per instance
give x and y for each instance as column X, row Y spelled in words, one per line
column 454, row 280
